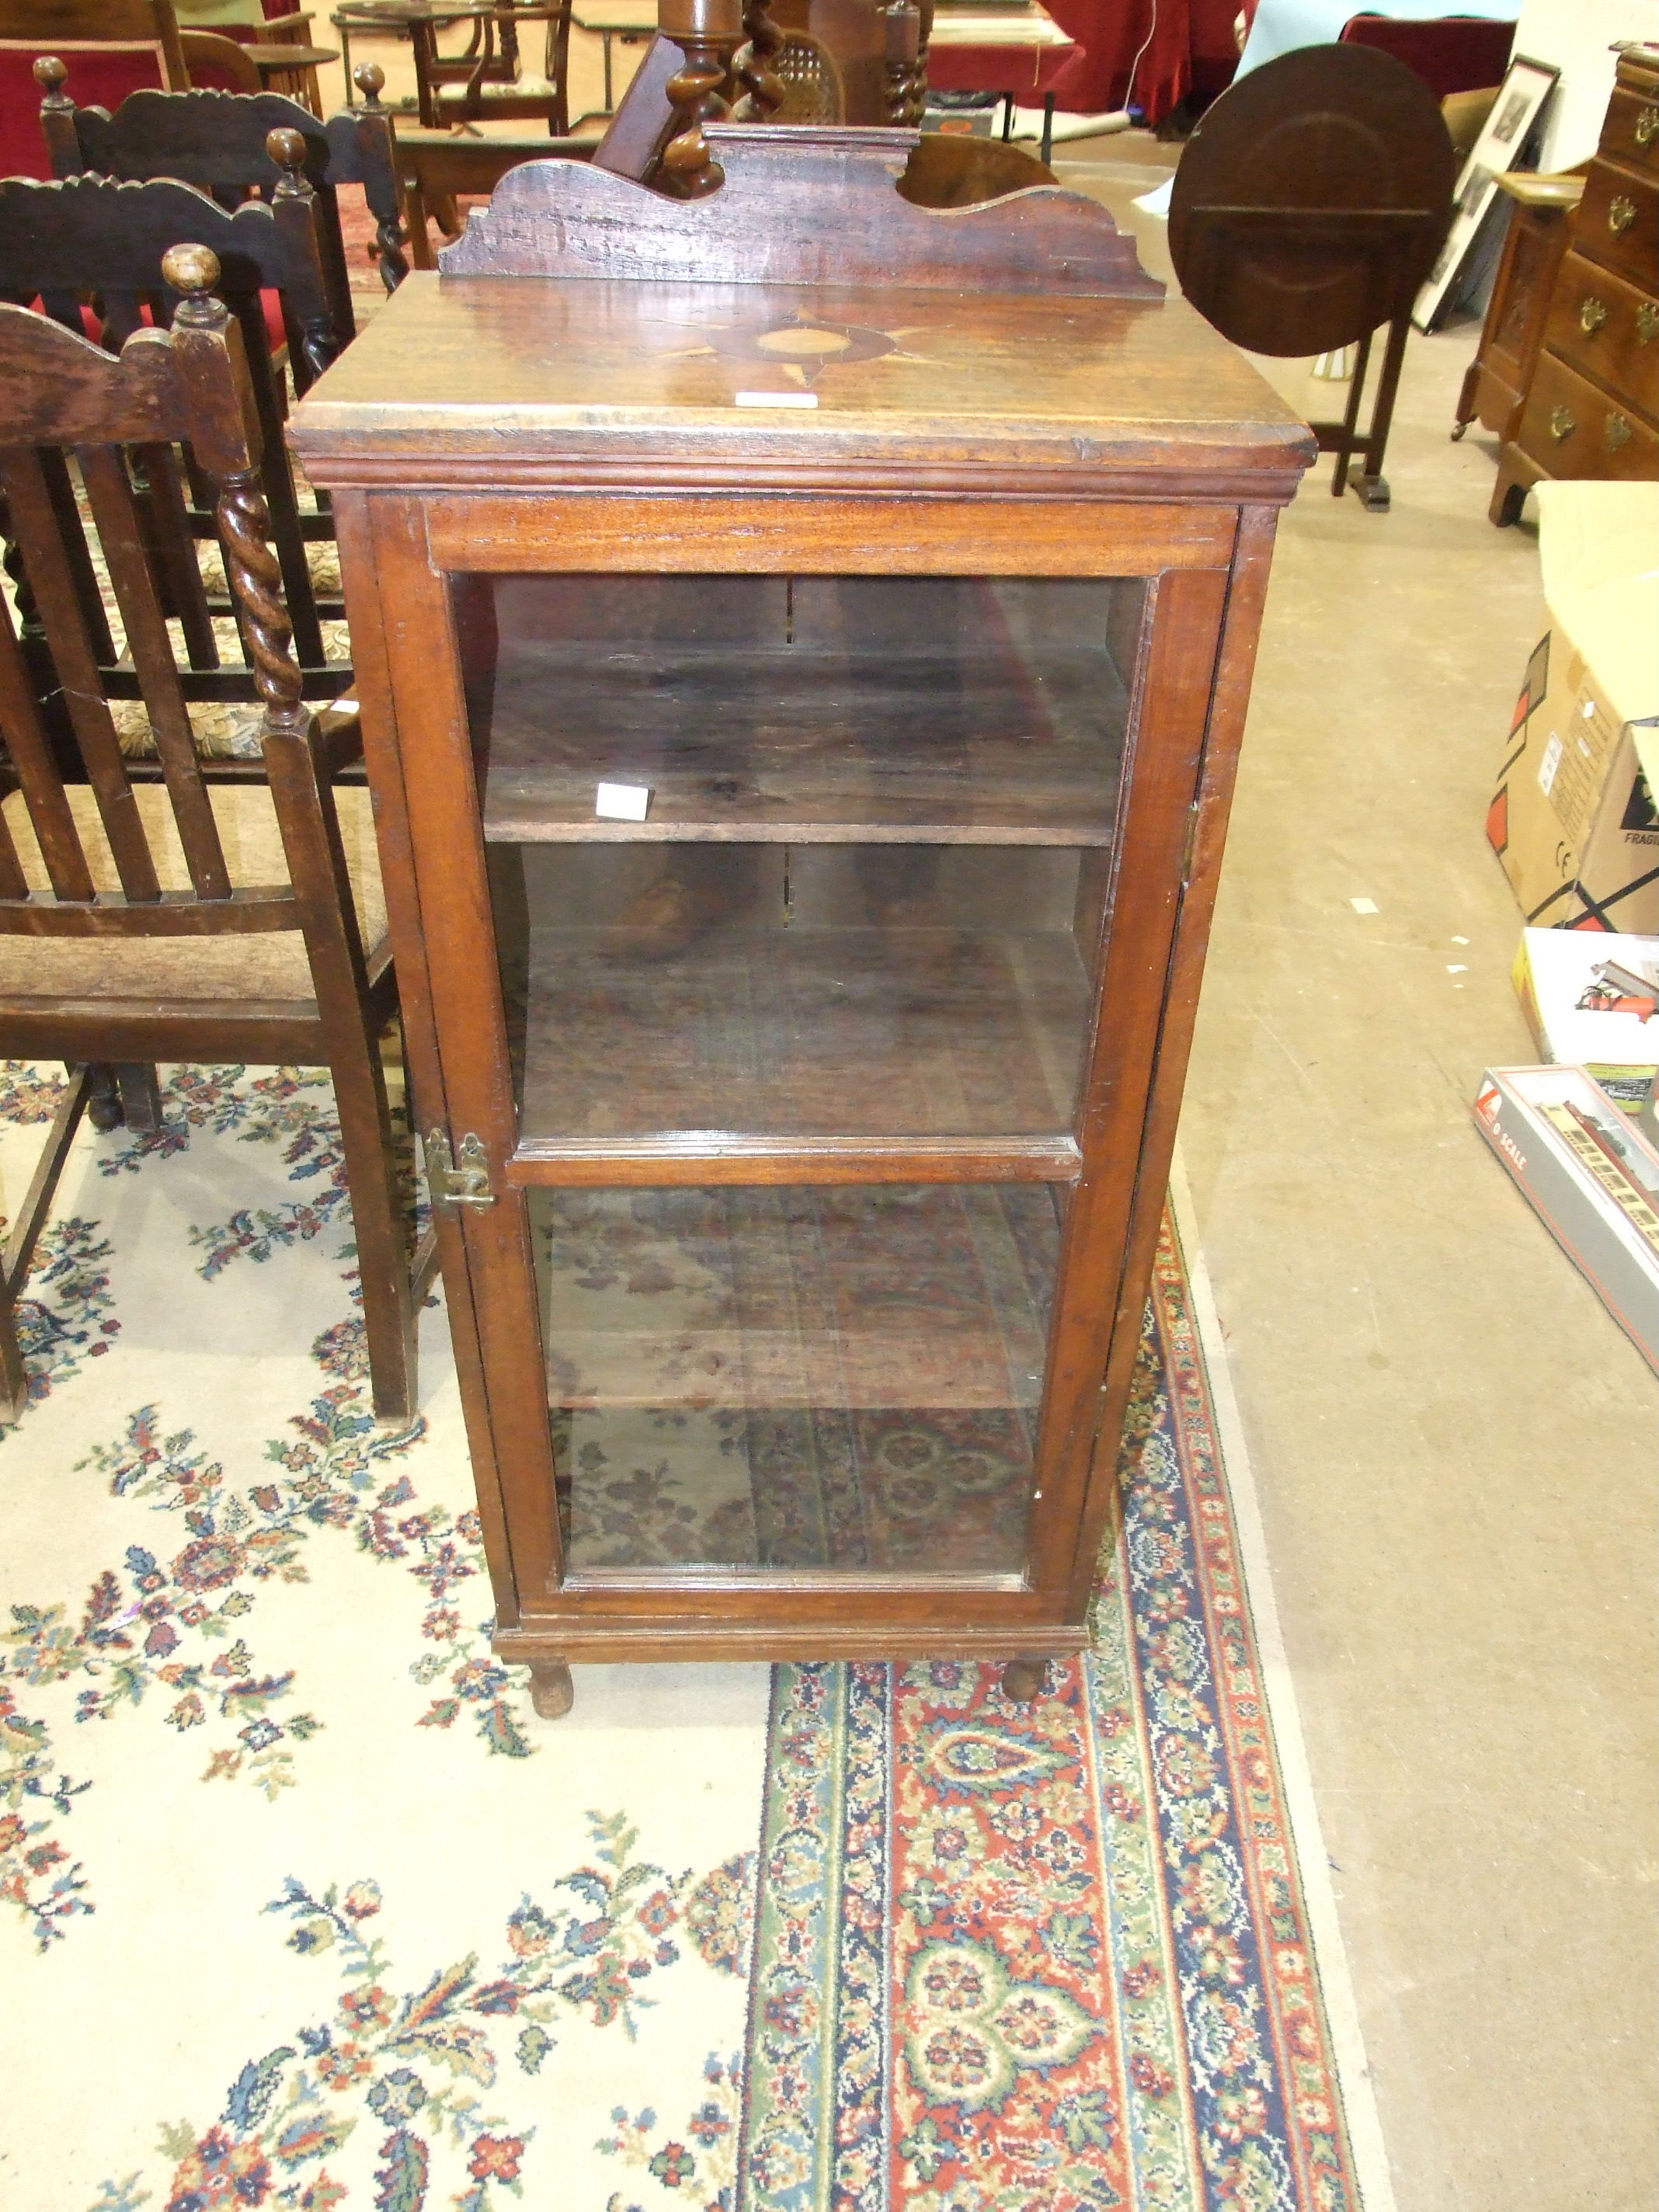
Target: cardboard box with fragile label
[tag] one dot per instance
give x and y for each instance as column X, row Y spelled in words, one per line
column 1573, row 818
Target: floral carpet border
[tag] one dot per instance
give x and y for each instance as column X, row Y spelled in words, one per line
column 1052, row 1958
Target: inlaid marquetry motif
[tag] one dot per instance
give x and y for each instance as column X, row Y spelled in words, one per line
column 804, row 346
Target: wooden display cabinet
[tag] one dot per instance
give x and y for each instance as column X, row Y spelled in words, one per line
column 798, row 1149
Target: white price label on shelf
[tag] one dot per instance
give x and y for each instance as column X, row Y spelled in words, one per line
column 622, row 802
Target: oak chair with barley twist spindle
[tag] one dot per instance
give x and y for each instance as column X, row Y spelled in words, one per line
column 183, row 919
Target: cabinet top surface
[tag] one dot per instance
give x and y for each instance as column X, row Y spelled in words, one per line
column 522, row 371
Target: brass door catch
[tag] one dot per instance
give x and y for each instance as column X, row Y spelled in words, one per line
column 461, row 1179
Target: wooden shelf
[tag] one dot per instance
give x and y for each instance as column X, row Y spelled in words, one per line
column 877, row 1047
column 951, row 711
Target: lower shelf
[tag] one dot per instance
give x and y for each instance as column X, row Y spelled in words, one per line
column 844, row 1379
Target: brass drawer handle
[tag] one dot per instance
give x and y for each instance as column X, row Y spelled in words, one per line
column 1562, row 423
column 1591, row 316
column 1621, row 213
column 1618, row 433
column 1647, row 321
column 1647, row 126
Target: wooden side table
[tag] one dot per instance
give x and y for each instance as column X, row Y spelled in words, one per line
column 803, row 640
column 1495, row 386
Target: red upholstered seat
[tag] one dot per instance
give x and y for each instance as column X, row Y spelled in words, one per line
column 270, row 301
column 99, row 79
column 1191, row 47
column 1450, row 54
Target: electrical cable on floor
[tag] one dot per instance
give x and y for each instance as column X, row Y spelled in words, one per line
column 1118, row 119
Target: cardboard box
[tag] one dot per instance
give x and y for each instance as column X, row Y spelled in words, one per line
column 1572, row 818
column 1592, row 1180
column 1593, row 999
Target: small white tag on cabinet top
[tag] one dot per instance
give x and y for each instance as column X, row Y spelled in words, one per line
column 774, row 400
column 621, row 802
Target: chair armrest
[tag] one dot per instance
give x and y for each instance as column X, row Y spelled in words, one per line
column 211, row 51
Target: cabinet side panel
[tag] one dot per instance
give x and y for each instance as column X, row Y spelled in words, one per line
column 423, row 649
column 1234, row 668
column 1161, row 787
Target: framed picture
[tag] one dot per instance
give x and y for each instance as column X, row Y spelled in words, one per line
column 1527, row 85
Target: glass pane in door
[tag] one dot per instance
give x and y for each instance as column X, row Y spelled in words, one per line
column 840, row 1377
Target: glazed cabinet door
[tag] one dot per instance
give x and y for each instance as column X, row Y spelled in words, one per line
column 798, row 949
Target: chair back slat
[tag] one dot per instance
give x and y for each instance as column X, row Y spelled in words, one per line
column 109, row 492
column 13, row 883
column 166, row 523
column 76, row 552
column 32, row 761
column 52, row 582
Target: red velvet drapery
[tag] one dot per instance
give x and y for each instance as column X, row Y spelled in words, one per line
column 1192, row 49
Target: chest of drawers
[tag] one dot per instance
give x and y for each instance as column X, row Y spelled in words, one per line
column 1592, row 404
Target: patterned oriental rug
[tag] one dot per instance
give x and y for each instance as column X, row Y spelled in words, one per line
column 304, row 1908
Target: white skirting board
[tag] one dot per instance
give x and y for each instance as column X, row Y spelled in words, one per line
column 1331, row 1959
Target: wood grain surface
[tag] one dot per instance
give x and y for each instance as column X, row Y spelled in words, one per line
column 491, row 382
column 799, row 205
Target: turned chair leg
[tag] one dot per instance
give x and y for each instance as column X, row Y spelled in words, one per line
column 1024, row 1680
column 391, row 1309
column 81, row 1091
column 14, row 1378
column 552, row 1691
column 104, row 1108
column 141, row 1095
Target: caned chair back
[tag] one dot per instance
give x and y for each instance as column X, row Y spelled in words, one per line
column 812, row 83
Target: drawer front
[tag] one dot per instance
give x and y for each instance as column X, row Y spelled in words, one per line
column 1608, row 329
column 1618, row 222
column 1631, row 133
column 1573, row 429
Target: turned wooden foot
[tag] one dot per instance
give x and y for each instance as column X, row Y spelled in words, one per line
column 1024, row 1678
column 551, row 1691
column 103, row 1098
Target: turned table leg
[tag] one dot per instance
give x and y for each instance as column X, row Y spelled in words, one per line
column 1024, row 1678
column 551, row 1691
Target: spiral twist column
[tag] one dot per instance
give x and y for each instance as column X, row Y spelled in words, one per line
column 762, row 92
column 708, row 32
column 256, row 583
